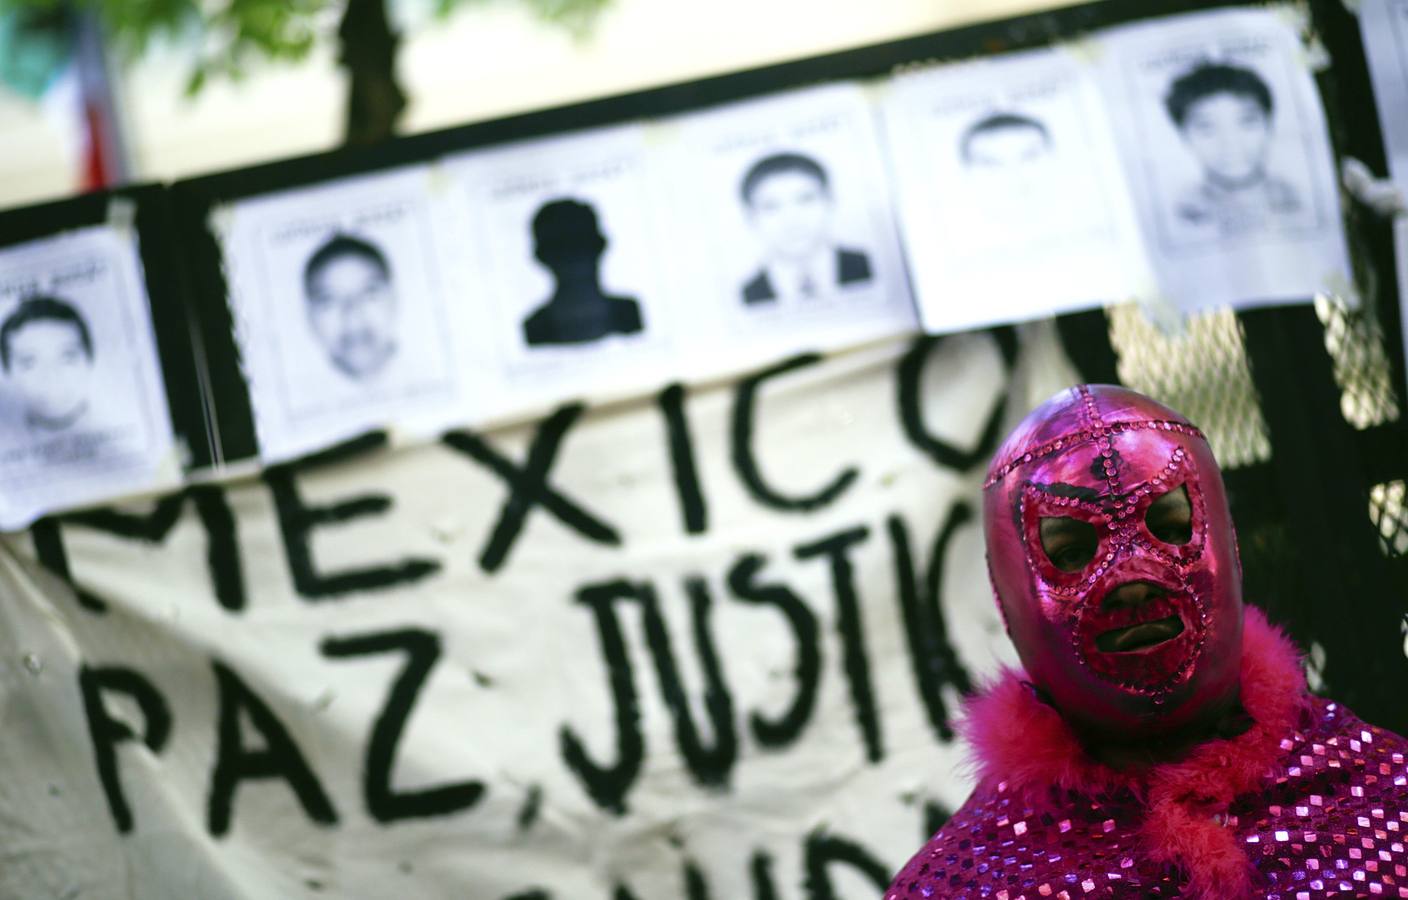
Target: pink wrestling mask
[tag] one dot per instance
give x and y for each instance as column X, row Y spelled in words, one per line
column 1114, row 561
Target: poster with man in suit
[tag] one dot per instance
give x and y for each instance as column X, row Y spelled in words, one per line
column 788, row 200
column 790, row 242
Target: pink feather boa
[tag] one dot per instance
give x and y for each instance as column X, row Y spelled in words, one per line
column 1020, row 740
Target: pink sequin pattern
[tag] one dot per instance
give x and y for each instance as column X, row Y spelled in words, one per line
column 1331, row 821
column 1098, row 432
column 1104, row 455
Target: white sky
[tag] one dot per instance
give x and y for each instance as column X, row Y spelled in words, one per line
column 489, row 59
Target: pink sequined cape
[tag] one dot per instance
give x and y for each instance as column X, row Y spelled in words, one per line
column 1308, row 803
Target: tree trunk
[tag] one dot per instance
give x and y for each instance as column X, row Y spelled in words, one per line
column 374, row 98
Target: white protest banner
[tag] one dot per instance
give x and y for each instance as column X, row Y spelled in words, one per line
column 704, row 644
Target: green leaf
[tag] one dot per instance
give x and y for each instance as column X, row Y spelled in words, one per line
column 225, row 38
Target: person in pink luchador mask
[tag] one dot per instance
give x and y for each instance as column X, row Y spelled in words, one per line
column 1160, row 741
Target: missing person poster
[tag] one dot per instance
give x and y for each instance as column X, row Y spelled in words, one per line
column 563, row 246
column 1384, row 26
column 782, row 227
column 83, row 410
column 343, row 314
column 1010, row 198
column 1227, row 155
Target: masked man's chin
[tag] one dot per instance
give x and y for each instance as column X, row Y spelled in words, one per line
column 1119, row 717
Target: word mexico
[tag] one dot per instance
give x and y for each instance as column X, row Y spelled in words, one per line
column 623, row 623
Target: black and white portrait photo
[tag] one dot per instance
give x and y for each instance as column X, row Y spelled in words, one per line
column 1226, row 115
column 47, row 356
column 352, row 307
column 1225, row 146
column 562, row 237
column 784, row 225
column 342, row 311
column 788, row 201
column 83, row 412
column 1010, row 189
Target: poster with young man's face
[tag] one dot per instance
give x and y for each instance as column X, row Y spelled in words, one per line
column 83, row 414
column 1224, row 141
column 1009, row 190
column 784, row 224
column 342, row 310
column 1239, row 169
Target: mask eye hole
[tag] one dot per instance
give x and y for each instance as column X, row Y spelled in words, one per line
column 1069, row 543
column 1170, row 517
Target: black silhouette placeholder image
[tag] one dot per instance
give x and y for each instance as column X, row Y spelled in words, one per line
column 1225, row 114
column 46, row 351
column 788, row 201
column 567, row 239
column 351, row 305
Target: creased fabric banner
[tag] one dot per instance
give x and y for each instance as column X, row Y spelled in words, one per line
column 705, row 644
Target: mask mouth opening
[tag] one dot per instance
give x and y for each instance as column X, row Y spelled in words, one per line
column 1142, row 636
column 1146, row 644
